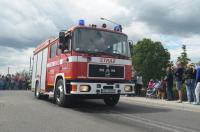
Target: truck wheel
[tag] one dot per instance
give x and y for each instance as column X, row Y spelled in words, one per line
column 37, row 91
column 112, row 100
column 60, row 98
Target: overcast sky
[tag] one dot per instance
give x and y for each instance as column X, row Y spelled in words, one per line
column 26, row 23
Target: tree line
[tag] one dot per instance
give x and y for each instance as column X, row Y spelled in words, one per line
column 150, row 59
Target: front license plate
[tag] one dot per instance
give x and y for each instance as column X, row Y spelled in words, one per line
column 108, row 91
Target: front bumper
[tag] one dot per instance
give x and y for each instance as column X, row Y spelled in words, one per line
column 102, row 88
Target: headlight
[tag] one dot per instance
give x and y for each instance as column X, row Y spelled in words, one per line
column 128, row 88
column 84, row 88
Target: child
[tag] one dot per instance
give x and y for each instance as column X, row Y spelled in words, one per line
column 150, row 84
column 162, row 88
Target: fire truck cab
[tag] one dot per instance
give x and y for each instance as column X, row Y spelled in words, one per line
column 83, row 62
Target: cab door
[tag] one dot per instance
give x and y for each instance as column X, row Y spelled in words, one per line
column 53, row 65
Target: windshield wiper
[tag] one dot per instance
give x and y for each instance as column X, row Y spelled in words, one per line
column 112, row 54
column 84, row 51
column 120, row 55
column 103, row 52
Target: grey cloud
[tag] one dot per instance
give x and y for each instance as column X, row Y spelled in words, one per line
column 23, row 27
column 177, row 17
column 30, row 22
column 14, row 43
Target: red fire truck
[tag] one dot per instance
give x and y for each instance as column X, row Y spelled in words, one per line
column 83, row 62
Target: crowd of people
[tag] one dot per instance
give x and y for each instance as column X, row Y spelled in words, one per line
column 180, row 76
column 14, row 82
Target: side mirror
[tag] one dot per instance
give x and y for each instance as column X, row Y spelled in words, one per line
column 130, row 42
column 61, row 37
column 64, row 41
column 60, row 45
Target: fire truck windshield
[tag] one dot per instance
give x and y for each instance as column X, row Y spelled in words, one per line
column 98, row 41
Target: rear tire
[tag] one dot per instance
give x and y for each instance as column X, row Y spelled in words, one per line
column 38, row 95
column 37, row 91
column 60, row 98
column 112, row 100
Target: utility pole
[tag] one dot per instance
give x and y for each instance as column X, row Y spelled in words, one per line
column 8, row 70
column 30, row 68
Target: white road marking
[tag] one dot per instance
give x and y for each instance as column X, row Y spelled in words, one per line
column 153, row 123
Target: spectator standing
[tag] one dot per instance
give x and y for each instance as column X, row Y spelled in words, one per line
column 23, row 83
column 139, row 84
column 1, row 83
column 162, row 89
column 4, row 82
column 7, row 82
column 12, row 82
column 197, row 89
column 28, row 83
column 189, row 82
column 194, row 84
column 20, row 83
column 179, row 79
column 169, row 83
column 17, row 81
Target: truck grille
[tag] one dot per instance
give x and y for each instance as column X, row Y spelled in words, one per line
column 106, row 71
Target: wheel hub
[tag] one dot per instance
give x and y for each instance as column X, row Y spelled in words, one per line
column 59, row 91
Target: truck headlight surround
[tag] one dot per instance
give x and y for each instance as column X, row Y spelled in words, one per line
column 85, row 88
column 128, row 88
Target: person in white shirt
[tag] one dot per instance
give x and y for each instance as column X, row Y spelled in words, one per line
column 139, row 84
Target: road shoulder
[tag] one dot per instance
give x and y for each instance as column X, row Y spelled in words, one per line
column 162, row 103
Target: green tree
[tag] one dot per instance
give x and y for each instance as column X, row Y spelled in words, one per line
column 183, row 58
column 23, row 73
column 150, row 59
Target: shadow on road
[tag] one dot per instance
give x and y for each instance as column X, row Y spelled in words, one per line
column 96, row 106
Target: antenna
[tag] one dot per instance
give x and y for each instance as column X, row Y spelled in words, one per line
column 102, row 18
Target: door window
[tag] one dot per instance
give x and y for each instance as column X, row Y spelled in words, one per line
column 53, row 50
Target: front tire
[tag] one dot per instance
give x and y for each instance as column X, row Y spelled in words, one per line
column 112, row 100
column 60, row 98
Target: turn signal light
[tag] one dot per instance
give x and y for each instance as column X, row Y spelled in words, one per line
column 74, row 88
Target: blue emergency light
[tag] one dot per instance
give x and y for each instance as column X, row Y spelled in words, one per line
column 81, row 22
column 118, row 28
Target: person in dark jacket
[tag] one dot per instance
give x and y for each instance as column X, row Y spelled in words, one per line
column 189, row 82
column 179, row 80
column 169, row 83
column 197, row 89
column 1, row 83
column 194, row 84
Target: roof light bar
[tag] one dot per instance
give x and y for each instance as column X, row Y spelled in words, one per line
column 82, row 22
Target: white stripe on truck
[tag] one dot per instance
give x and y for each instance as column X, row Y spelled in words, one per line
column 101, row 60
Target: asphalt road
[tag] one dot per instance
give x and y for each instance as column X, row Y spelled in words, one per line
column 21, row 112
